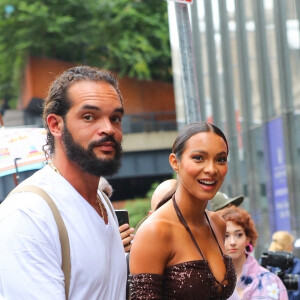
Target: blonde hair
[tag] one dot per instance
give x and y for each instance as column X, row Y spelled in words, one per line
column 282, row 241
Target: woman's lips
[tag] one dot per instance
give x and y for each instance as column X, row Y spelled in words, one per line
column 232, row 250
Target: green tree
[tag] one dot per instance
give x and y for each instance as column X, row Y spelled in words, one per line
column 130, row 37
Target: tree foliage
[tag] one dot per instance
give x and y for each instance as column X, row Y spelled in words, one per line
column 130, row 37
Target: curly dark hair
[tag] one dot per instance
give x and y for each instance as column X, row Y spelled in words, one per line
column 242, row 218
column 57, row 101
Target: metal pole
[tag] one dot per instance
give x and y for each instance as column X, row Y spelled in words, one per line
column 286, row 88
column 235, row 171
column 16, row 175
column 190, row 92
column 196, row 34
column 212, row 64
column 249, row 140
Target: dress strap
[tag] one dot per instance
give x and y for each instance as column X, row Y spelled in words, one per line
column 186, row 226
column 213, row 232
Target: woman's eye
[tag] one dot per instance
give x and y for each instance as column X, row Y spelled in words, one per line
column 198, row 157
column 222, row 159
column 239, row 235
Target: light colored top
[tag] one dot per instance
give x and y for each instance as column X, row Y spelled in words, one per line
column 234, row 296
column 30, row 250
column 259, row 283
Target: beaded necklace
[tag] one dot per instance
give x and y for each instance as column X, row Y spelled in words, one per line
column 103, row 212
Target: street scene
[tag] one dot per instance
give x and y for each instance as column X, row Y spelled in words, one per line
column 150, row 149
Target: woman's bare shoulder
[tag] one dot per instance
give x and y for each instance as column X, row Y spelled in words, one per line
column 156, row 225
column 152, row 245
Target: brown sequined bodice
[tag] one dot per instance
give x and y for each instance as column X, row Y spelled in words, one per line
column 189, row 280
column 193, row 278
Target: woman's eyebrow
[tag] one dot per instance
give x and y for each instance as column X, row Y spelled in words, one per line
column 206, row 152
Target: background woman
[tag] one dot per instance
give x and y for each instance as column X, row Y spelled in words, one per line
column 253, row 281
column 178, row 251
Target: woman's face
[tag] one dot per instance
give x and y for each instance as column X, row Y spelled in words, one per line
column 203, row 165
column 235, row 241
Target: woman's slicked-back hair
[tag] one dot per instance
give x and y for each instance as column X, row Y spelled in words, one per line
column 57, row 101
column 242, row 218
column 191, row 129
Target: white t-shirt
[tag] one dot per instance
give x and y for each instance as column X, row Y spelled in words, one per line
column 30, row 250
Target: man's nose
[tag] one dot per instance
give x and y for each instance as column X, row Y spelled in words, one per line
column 106, row 127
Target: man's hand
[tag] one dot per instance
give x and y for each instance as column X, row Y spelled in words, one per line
column 127, row 236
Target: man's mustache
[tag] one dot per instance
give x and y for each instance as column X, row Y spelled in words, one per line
column 104, row 140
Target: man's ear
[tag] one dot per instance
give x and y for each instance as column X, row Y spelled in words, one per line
column 55, row 124
column 173, row 162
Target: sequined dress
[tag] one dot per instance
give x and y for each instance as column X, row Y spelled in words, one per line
column 188, row 280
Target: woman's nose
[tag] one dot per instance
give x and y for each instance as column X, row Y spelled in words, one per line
column 210, row 167
column 232, row 240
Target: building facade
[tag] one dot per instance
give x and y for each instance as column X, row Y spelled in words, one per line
column 246, row 58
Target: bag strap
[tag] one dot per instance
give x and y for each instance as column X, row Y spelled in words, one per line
column 62, row 231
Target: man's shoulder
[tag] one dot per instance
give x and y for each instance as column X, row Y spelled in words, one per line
column 25, row 201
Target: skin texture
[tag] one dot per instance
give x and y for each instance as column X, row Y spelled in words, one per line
column 158, row 242
column 96, row 112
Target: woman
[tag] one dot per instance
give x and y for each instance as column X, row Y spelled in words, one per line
column 253, row 281
column 178, row 251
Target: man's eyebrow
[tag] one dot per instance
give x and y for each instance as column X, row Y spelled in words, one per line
column 120, row 110
column 92, row 107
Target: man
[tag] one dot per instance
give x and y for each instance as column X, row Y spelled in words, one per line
column 82, row 115
column 221, row 200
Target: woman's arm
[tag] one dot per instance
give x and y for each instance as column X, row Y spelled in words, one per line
column 148, row 259
column 150, row 250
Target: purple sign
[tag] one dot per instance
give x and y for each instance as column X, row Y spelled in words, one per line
column 279, row 193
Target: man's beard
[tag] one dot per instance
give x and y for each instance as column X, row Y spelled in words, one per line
column 87, row 160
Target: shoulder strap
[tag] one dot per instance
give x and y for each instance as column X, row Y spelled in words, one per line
column 62, row 231
column 207, row 218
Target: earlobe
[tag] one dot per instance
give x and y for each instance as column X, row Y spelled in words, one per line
column 55, row 124
column 173, row 162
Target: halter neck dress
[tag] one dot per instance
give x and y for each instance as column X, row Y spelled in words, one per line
column 187, row 280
